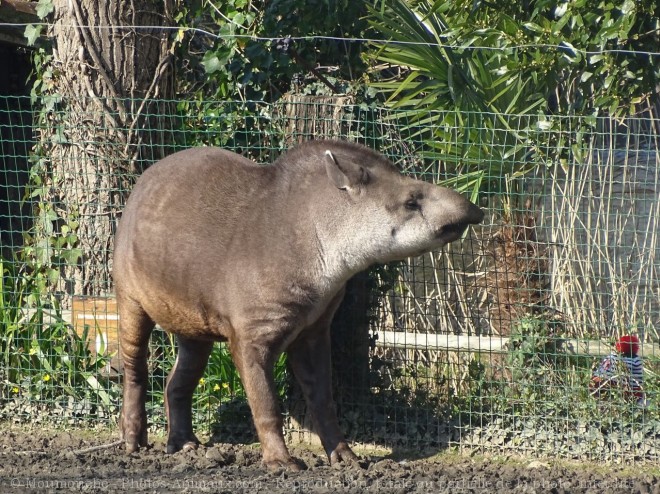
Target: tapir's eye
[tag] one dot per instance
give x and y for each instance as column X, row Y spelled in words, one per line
column 412, row 204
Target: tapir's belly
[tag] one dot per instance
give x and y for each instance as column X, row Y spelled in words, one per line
column 189, row 320
column 232, row 316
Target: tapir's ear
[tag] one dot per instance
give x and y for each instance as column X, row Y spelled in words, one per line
column 344, row 175
column 335, row 173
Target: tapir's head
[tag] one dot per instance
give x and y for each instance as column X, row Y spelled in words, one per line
column 395, row 216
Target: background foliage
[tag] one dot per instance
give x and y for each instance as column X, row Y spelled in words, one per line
column 532, row 59
column 475, row 86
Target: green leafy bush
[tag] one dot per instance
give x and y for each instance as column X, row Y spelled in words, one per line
column 478, row 83
column 43, row 359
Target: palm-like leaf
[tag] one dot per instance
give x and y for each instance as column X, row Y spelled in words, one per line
column 457, row 89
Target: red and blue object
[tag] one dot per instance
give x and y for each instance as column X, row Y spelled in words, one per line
column 621, row 370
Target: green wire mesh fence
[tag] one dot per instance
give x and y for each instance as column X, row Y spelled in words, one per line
column 502, row 342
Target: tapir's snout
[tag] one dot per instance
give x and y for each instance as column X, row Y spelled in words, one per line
column 451, row 207
column 475, row 214
column 467, row 214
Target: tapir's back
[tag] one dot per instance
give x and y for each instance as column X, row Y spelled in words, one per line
column 193, row 181
column 184, row 212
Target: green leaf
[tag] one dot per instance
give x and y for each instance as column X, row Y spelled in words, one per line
column 44, row 8
column 53, row 275
column 585, row 76
column 239, row 18
column 71, row 256
column 98, row 388
column 32, row 33
column 211, row 62
column 533, row 27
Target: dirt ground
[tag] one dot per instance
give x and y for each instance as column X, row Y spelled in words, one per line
column 47, row 460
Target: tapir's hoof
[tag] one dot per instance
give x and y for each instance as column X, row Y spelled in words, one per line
column 343, row 454
column 133, row 444
column 290, row 465
column 181, row 445
column 132, row 448
column 134, row 433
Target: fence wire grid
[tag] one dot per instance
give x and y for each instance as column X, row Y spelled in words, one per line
column 504, row 341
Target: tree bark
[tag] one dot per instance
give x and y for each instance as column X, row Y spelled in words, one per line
column 105, row 119
column 315, row 117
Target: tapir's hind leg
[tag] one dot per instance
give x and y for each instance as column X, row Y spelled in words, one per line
column 309, row 357
column 181, row 383
column 135, row 327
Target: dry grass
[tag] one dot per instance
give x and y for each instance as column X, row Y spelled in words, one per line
column 583, row 247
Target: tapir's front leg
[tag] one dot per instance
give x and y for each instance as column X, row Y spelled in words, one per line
column 310, row 359
column 255, row 362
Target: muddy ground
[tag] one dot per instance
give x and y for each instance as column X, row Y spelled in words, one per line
column 47, row 460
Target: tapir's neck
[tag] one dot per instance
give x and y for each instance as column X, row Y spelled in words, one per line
column 335, row 260
column 337, row 253
column 322, row 216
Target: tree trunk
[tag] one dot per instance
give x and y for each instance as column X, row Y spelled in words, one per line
column 104, row 119
column 351, row 344
column 314, row 117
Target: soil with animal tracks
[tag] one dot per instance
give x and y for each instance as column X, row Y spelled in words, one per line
column 85, row 460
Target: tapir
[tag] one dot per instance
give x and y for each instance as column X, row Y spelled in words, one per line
column 213, row 247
